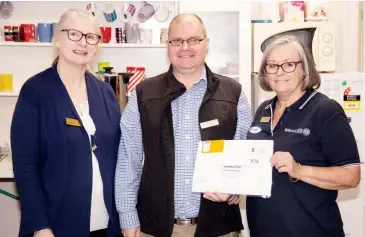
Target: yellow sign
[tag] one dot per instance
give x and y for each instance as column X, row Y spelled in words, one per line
column 73, row 122
column 6, row 82
column 351, row 100
column 213, row 146
column 351, row 105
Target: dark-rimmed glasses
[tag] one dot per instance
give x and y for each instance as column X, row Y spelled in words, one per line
column 272, row 68
column 76, row 35
column 190, row 41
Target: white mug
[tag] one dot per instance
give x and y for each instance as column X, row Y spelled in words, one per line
column 6, row 8
column 146, row 11
column 145, row 36
column 128, row 12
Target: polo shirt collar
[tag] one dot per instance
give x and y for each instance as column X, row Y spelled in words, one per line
column 299, row 104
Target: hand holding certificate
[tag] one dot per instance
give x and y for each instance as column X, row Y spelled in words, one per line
column 234, row 167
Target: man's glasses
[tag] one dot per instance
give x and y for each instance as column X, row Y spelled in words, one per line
column 271, row 68
column 76, row 35
column 190, row 41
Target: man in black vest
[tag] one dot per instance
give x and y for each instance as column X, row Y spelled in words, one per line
column 165, row 118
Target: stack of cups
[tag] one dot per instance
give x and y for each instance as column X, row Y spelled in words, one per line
column 120, row 35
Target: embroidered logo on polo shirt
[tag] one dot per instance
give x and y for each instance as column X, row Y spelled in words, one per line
column 304, row 131
column 255, row 129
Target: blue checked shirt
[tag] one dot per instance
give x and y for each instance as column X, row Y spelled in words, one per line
column 185, row 112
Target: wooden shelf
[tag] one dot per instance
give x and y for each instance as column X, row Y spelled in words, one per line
column 111, row 45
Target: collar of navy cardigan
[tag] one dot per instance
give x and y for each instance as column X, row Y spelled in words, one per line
column 299, row 104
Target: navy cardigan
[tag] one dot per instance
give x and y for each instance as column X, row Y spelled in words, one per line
column 52, row 159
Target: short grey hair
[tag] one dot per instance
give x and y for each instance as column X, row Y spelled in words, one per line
column 311, row 75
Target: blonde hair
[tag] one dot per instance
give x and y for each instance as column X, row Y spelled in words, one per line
column 311, row 75
column 71, row 15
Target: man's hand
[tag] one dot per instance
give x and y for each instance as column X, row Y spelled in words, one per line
column 44, row 233
column 216, row 197
column 135, row 232
column 234, row 200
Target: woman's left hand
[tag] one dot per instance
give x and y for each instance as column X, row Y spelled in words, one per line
column 285, row 163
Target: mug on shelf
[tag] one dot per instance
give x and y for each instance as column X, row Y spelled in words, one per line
column 92, row 9
column 127, row 12
column 163, row 36
column 45, row 32
column 6, row 8
column 106, row 34
column 27, row 32
column 120, row 35
column 8, row 33
column 146, row 11
column 131, row 31
column 145, row 36
column 109, row 12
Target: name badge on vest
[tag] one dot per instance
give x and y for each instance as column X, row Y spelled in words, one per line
column 73, row 122
column 265, row 119
column 209, row 124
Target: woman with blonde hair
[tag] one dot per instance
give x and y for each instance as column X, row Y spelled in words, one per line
column 64, row 136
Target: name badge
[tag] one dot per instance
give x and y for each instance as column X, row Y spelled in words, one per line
column 73, row 122
column 265, row 119
column 209, row 124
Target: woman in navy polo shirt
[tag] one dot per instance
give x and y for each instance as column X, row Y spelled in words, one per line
column 315, row 152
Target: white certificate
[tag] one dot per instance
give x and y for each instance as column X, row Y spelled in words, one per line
column 234, row 167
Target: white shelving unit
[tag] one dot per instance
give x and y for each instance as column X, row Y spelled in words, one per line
column 9, row 94
column 25, row 59
column 111, row 45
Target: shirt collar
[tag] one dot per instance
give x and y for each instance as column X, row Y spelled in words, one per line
column 203, row 75
column 300, row 103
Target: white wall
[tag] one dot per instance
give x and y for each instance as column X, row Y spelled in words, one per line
column 345, row 16
column 362, row 37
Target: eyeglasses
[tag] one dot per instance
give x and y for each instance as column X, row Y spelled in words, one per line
column 76, row 35
column 271, row 68
column 190, row 41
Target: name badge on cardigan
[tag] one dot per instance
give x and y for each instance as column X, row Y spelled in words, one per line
column 209, row 124
column 73, row 122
